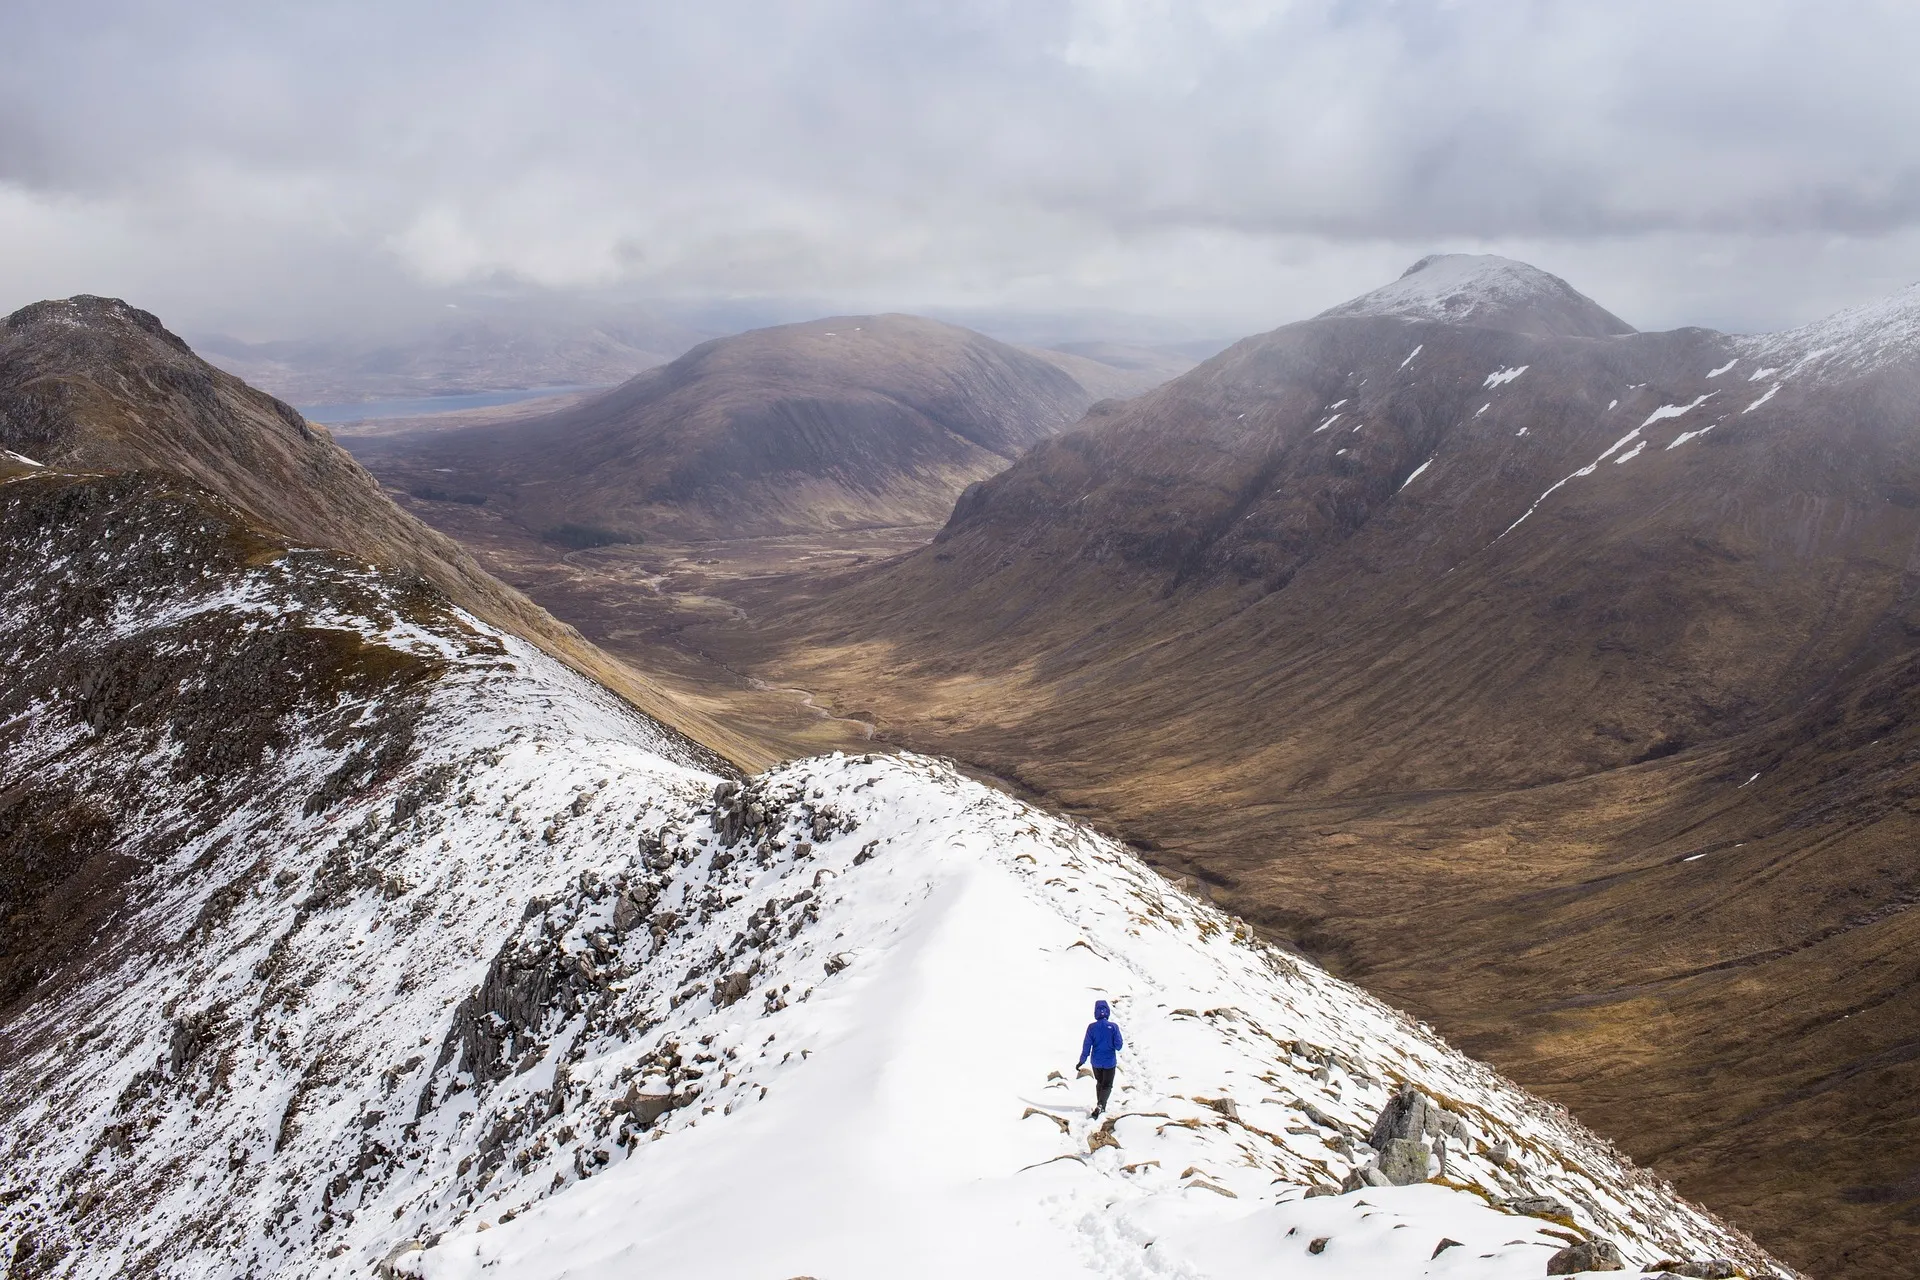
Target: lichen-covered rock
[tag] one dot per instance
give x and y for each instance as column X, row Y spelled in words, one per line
column 1405, row 1161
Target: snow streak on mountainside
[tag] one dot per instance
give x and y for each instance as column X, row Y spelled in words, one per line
column 446, row 964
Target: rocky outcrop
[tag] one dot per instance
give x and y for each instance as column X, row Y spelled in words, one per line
column 1588, row 1255
column 1404, row 1161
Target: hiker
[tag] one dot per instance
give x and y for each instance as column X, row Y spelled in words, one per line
column 1102, row 1043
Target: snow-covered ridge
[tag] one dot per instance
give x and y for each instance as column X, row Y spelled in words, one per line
column 547, row 998
column 1855, row 340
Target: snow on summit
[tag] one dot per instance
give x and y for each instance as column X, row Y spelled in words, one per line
column 538, row 992
column 1488, row 291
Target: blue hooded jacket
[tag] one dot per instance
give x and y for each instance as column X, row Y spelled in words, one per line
column 1102, row 1040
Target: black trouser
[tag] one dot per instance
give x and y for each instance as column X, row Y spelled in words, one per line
column 1102, row 1087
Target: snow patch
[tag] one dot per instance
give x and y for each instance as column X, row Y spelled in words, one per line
column 1666, row 411
column 1415, row 475
column 1587, row 470
column 1411, row 354
column 1772, row 391
column 1500, row 377
column 1714, row 373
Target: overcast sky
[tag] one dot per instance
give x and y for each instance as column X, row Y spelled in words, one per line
column 1229, row 164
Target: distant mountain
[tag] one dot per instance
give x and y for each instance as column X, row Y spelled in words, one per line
column 1559, row 680
column 93, row 384
column 1110, row 370
column 465, row 352
column 1488, row 292
column 349, row 936
column 852, row 421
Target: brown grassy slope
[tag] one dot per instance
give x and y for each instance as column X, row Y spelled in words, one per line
column 91, row 383
column 1462, row 762
column 856, row 420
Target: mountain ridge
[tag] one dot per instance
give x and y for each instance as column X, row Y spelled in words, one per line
column 432, row 957
column 95, row 383
column 1517, row 612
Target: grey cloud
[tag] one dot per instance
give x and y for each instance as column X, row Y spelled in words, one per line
column 1232, row 159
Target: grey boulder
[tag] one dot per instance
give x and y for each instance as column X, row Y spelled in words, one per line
column 1588, row 1255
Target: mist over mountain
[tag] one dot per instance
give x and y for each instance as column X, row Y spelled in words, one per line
column 855, row 420
column 463, row 352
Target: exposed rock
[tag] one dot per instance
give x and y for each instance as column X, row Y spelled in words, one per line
column 1404, row 1161
column 1404, row 1116
column 634, row 905
column 732, row 987
column 1588, row 1255
column 1536, row 1207
column 648, row 1104
column 1700, row 1268
column 394, row 1265
column 1365, row 1176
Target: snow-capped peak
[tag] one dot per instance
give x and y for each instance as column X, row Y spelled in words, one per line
column 1487, row 291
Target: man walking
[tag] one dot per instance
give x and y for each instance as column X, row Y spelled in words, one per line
column 1102, row 1043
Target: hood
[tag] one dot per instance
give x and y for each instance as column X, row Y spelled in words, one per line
column 1100, row 1010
